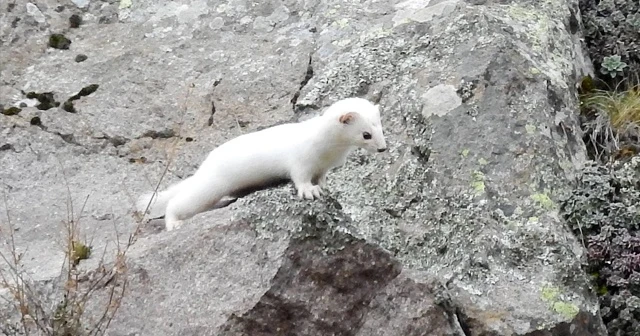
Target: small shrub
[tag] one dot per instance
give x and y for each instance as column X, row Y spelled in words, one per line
column 611, row 27
column 11, row 111
column 604, row 212
column 61, row 309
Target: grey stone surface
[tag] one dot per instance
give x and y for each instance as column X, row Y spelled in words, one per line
column 81, row 3
column 453, row 231
column 35, row 13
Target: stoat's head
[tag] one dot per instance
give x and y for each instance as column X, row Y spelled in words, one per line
column 360, row 123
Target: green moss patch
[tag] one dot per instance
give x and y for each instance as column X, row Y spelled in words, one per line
column 59, row 41
column 68, row 106
column 46, row 100
column 79, row 252
column 75, row 21
column 85, row 91
column 11, row 111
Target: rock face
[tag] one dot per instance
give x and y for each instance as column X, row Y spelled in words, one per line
column 454, row 231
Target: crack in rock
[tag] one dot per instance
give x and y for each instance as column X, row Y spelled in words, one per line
column 68, row 138
column 459, row 322
column 116, row 140
column 307, row 77
column 213, row 104
column 85, row 91
column 6, row 147
column 213, row 111
column 163, row 134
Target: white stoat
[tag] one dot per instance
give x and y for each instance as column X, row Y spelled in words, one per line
column 302, row 152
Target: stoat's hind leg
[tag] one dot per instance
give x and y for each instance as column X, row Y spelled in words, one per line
column 190, row 202
column 222, row 203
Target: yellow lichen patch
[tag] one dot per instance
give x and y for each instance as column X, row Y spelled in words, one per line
column 374, row 33
column 341, row 23
column 125, row 4
column 567, row 309
column 465, row 153
column 543, row 200
column 477, row 182
column 550, row 293
column 537, row 32
column 536, row 25
column 530, row 129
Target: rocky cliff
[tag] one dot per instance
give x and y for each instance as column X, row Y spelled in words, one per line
column 453, row 231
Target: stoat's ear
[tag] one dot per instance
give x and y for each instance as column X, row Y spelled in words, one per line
column 347, row 118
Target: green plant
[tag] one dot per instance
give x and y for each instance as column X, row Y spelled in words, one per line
column 634, row 20
column 611, row 27
column 603, row 212
column 612, row 66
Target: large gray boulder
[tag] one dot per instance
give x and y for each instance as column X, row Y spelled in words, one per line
column 453, row 231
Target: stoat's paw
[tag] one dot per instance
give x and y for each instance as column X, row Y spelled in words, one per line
column 172, row 225
column 322, row 181
column 309, row 192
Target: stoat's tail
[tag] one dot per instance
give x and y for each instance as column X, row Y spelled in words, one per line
column 160, row 200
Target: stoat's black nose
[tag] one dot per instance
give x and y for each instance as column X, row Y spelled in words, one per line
column 380, row 150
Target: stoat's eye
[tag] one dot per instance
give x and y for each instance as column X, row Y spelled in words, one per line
column 366, row 135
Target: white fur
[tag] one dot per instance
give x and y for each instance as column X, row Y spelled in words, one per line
column 303, row 152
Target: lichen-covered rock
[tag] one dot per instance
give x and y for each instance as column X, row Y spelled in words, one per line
column 455, row 230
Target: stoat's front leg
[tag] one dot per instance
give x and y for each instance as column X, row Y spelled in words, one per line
column 303, row 183
column 322, row 180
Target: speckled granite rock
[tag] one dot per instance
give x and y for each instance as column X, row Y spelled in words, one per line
column 453, row 231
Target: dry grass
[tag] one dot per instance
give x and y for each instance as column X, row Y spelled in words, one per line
column 82, row 303
column 613, row 121
column 622, row 108
column 62, row 310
